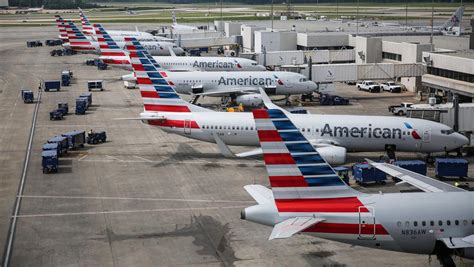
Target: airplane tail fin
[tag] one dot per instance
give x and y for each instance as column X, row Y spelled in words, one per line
column 300, row 178
column 157, row 93
column 61, row 24
column 77, row 40
column 86, row 25
column 455, row 19
column 110, row 52
column 173, row 16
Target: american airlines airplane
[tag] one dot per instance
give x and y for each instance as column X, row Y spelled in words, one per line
column 450, row 27
column 77, row 41
column 181, row 28
column 308, row 197
column 119, row 58
column 331, row 135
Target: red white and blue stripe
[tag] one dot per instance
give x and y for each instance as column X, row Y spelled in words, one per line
column 86, row 25
column 157, row 94
column 110, row 51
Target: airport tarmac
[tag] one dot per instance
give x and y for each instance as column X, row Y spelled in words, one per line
column 144, row 198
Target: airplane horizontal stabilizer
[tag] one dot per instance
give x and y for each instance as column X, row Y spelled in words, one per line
column 459, row 242
column 289, row 227
column 253, row 152
column 223, row 148
column 260, row 193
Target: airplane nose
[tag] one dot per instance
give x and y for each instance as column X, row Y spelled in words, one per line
column 179, row 51
column 461, row 140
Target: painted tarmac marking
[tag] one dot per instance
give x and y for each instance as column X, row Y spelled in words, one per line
column 143, row 199
column 122, row 212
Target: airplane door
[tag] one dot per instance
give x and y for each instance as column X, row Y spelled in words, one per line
column 366, row 223
column 426, row 135
column 187, row 126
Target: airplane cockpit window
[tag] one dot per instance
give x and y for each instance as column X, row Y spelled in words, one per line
column 303, row 80
column 254, row 64
column 447, row 132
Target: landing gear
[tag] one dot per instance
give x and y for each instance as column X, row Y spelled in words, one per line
column 287, row 101
column 308, row 96
column 390, row 153
column 429, row 159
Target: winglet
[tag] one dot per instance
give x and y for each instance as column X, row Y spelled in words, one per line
column 172, row 53
column 268, row 102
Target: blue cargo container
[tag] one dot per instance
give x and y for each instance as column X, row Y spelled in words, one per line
column 66, row 77
column 64, row 107
column 63, row 144
column 417, row 166
column 88, row 96
column 27, row 96
column 75, row 138
column 51, row 146
column 363, row 173
column 451, row 167
column 56, row 115
column 51, row 85
column 49, row 161
column 343, row 173
column 81, row 106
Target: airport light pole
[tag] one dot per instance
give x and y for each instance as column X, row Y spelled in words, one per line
column 272, row 15
column 406, row 15
column 357, row 19
column 222, row 20
column 432, row 23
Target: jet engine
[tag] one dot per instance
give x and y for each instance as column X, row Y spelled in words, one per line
column 249, row 100
column 334, row 155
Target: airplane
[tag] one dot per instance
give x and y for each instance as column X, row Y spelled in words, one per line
column 119, row 58
column 89, row 30
column 77, row 41
column 307, row 197
column 450, row 27
column 30, row 10
column 181, row 28
column 331, row 135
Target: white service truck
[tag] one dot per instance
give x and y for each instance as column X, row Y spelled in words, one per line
column 401, row 109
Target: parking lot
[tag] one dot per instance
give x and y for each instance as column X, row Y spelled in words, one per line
column 144, row 198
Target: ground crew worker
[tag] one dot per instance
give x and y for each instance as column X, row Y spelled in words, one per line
column 241, row 107
column 456, row 184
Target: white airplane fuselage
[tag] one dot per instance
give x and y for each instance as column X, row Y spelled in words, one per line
column 355, row 133
column 192, row 63
column 154, row 48
column 275, row 83
column 405, row 222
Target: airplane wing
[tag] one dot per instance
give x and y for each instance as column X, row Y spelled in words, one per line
column 419, row 181
column 172, row 53
column 289, row 227
column 260, row 193
column 143, row 118
column 258, row 151
column 459, row 242
column 240, row 90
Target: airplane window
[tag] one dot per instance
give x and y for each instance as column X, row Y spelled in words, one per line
column 464, row 222
column 432, row 223
column 440, row 223
column 399, row 224
column 303, row 80
column 448, row 222
column 423, row 223
column 246, row 128
column 415, row 223
column 233, row 127
column 308, row 130
column 212, row 127
column 303, row 130
column 254, row 64
column 225, row 127
column 237, row 127
column 251, row 128
column 472, row 222
column 456, row 222
column 407, row 224
column 220, row 127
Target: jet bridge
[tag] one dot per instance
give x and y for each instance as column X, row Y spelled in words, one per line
column 327, row 73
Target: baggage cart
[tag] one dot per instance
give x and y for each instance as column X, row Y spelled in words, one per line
column 88, row 96
column 363, row 173
column 51, row 146
column 49, row 161
column 343, row 173
column 52, row 85
column 102, row 66
column 66, row 76
column 75, row 138
column 56, row 115
column 81, row 106
column 95, row 85
column 27, row 96
column 63, row 144
column 451, row 167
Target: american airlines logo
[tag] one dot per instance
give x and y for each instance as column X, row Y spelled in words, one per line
column 246, row 81
column 361, row 132
column 214, row 65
